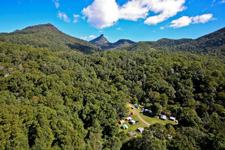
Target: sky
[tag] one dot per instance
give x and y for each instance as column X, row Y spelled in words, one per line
column 137, row 20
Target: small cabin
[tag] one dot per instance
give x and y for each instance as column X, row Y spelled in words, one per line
column 124, row 126
column 132, row 122
column 129, row 118
column 140, row 130
column 121, row 122
column 172, row 118
column 146, row 110
column 163, row 117
column 137, row 106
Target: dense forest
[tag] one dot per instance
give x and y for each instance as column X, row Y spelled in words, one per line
column 213, row 43
column 68, row 100
column 48, row 36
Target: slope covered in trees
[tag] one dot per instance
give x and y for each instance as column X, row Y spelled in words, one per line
column 213, row 43
column 68, row 100
column 48, row 36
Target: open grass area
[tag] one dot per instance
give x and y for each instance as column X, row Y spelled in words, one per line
column 152, row 120
column 132, row 128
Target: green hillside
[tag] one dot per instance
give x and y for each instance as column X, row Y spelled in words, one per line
column 68, row 100
column 48, row 36
column 213, row 43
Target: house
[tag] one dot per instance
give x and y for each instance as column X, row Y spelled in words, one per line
column 121, row 122
column 130, row 134
column 129, row 118
column 140, row 130
column 163, row 117
column 172, row 118
column 137, row 106
column 132, row 122
column 124, row 126
column 146, row 110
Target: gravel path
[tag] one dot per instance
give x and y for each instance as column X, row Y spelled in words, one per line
column 139, row 116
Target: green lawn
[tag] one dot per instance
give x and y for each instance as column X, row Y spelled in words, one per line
column 132, row 128
column 152, row 120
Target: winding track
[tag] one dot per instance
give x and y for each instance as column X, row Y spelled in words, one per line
column 138, row 115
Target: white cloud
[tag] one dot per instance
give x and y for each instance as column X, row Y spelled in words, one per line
column 213, row 2
column 185, row 20
column 218, row 2
column 102, row 13
column 202, row 19
column 56, row 2
column 162, row 28
column 134, row 10
column 105, row 13
column 84, row 38
column 91, row 36
column 119, row 29
column 165, row 8
column 63, row 16
column 75, row 18
column 181, row 22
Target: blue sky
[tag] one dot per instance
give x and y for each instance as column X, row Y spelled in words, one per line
column 138, row 20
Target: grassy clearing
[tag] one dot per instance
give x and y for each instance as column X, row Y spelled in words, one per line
column 132, row 128
column 152, row 120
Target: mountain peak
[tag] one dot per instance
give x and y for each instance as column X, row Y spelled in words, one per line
column 100, row 41
column 48, row 36
column 39, row 28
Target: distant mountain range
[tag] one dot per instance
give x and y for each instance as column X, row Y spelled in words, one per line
column 102, row 42
column 213, row 43
column 48, row 36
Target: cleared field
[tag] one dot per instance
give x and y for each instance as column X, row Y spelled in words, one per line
column 150, row 120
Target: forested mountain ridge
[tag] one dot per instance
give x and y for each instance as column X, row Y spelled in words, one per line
column 102, row 42
column 67, row 100
column 48, row 36
column 37, row 28
column 213, row 43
